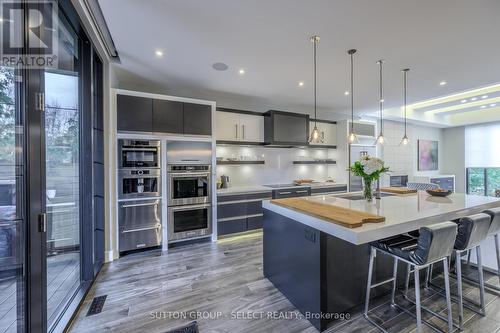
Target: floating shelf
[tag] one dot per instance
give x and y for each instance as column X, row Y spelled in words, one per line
column 315, row 162
column 239, row 162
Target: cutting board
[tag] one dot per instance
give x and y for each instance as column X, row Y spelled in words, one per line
column 345, row 217
column 398, row 190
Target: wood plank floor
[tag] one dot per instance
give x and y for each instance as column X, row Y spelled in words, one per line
column 147, row 292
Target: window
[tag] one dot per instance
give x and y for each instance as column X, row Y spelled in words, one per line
column 483, row 181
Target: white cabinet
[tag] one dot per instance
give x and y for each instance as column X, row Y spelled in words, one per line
column 233, row 126
column 327, row 133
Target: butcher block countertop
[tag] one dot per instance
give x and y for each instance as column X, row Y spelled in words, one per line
column 345, row 217
column 402, row 213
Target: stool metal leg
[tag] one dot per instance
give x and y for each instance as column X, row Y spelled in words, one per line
column 394, row 275
column 468, row 257
column 428, row 275
column 417, row 299
column 407, row 281
column 497, row 248
column 458, row 270
column 369, row 283
column 481, row 278
column 448, row 294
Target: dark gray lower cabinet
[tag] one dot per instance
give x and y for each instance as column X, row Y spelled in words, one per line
column 167, row 116
column 240, row 212
column 328, row 190
column 134, row 113
column 291, row 192
column 197, row 119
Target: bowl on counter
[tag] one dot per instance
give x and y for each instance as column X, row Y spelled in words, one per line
column 439, row 192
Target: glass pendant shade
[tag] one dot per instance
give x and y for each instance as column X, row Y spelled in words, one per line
column 314, row 135
column 352, row 138
column 405, row 141
column 381, row 140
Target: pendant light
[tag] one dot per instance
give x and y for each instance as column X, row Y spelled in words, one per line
column 405, row 141
column 352, row 138
column 315, row 133
column 381, row 139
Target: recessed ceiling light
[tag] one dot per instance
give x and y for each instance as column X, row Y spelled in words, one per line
column 382, row 100
column 494, row 104
column 219, row 66
column 346, row 93
column 301, row 83
column 484, row 96
column 159, row 53
column 473, row 98
column 443, row 83
column 463, row 101
column 241, row 71
column 483, row 106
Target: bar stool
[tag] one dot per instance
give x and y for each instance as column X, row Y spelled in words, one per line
column 434, row 244
column 494, row 230
column 472, row 230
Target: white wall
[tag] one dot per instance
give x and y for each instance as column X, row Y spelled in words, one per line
column 403, row 160
column 454, row 155
column 278, row 167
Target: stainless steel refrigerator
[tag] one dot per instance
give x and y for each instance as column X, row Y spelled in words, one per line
column 356, row 151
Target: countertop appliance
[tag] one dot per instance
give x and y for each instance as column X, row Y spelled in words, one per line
column 398, row 181
column 224, row 181
column 138, row 153
column 188, row 184
column 139, row 194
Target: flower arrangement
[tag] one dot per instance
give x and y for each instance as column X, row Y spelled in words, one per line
column 370, row 169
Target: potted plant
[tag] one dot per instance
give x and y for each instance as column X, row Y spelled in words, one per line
column 369, row 169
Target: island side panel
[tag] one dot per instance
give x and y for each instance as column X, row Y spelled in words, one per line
column 292, row 262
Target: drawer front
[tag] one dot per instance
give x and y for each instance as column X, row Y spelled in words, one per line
column 260, row 195
column 144, row 237
column 226, row 198
column 231, row 210
column 231, row 226
column 254, row 207
column 255, row 222
column 328, row 190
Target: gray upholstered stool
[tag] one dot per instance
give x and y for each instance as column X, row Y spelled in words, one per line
column 434, row 244
column 494, row 231
column 472, row 230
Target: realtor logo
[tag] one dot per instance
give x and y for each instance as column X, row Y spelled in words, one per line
column 33, row 44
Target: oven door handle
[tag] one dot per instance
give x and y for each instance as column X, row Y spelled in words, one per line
column 181, row 208
column 189, row 174
column 158, row 226
column 140, row 149
column 140, row 205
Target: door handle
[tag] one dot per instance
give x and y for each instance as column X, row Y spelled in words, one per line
column 303, row 191
column 141, row 205
column 236, row 127
column 141, row 229
column 42, row 222
column 281, row 193
column 243, row 127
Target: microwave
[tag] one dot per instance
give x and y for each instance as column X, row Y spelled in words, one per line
column 138, row 153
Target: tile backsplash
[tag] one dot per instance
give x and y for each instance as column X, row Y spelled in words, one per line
column 278, row 167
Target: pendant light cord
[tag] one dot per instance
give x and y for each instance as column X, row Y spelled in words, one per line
column 352, row 92
column 381, row 102
column 315, row 114
column 405, row 72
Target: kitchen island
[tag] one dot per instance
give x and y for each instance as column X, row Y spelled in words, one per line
column 321, row 267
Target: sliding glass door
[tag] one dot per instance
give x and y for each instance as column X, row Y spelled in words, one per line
column 62, row 172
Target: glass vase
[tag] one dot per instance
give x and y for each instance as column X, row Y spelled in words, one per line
column 367, row 189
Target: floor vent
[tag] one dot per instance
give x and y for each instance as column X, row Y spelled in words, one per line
column 96, row 306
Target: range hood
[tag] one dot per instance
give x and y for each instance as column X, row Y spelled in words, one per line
column 286, row 129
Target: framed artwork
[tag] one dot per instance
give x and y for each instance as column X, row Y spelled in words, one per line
column 427, row 155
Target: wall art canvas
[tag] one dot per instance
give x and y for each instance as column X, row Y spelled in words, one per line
column 427, row 155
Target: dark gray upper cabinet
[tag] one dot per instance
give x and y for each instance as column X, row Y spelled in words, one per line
column 286, row 128
column 168, row 116
column 134, row 113
column 197, row 119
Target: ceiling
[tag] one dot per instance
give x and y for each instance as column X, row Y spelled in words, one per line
column 447, row 40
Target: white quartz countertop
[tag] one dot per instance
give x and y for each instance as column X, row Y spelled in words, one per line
column 403, row 213
column 242, row 189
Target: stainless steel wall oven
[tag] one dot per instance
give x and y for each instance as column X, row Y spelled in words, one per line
column 188, row 184
column 138, row 153
column 190, row 221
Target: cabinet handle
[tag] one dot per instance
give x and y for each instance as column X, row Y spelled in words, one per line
column 243, row 126
column 303, row 191
column 236, row 127
column 281, row 193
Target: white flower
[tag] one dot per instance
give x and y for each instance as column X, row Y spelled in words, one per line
column 371, row 164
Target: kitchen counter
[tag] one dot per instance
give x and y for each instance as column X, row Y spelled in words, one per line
column 242, row 189
column 322, row 267
column 419, row 210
